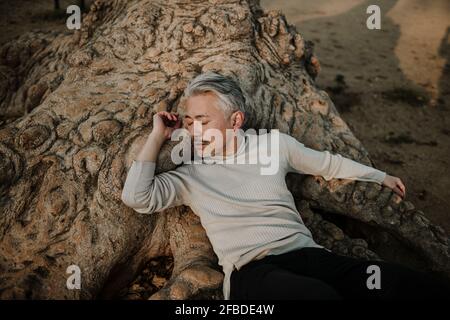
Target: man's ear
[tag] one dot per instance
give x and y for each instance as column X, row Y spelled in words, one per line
column 237, row 119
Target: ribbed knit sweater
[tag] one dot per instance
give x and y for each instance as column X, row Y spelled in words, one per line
column 246, row 214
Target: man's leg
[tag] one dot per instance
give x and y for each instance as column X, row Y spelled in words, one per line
column 268, row 281
column 349, row 276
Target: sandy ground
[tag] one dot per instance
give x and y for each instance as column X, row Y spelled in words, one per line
column 390, row 85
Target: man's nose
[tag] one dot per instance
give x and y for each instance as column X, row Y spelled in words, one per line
column 196, row 135
column 197, row 130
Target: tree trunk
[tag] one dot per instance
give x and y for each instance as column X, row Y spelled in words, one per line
column 75, row 109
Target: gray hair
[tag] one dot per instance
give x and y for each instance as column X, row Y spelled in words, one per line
column 227, row 90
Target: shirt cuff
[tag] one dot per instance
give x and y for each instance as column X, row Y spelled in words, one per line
column 380, row 176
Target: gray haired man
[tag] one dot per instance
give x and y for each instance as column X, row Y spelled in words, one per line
column 263, row 246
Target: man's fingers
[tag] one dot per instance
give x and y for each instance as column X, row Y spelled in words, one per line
column 401, row 186
column 168, row 115
column 398, row 191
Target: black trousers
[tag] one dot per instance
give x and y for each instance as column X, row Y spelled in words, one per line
column 317, row 274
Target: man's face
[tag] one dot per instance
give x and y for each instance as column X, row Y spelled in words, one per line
column 204, row 108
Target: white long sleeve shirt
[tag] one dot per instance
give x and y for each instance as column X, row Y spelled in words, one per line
column 245, row 214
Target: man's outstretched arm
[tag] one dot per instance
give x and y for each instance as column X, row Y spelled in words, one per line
column 302, row 159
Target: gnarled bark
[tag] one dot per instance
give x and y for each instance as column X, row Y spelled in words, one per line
column 78, row 107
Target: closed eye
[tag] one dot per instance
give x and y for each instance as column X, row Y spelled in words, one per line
column 191, row 123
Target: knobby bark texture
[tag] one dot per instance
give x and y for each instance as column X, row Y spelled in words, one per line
column 76, row 107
